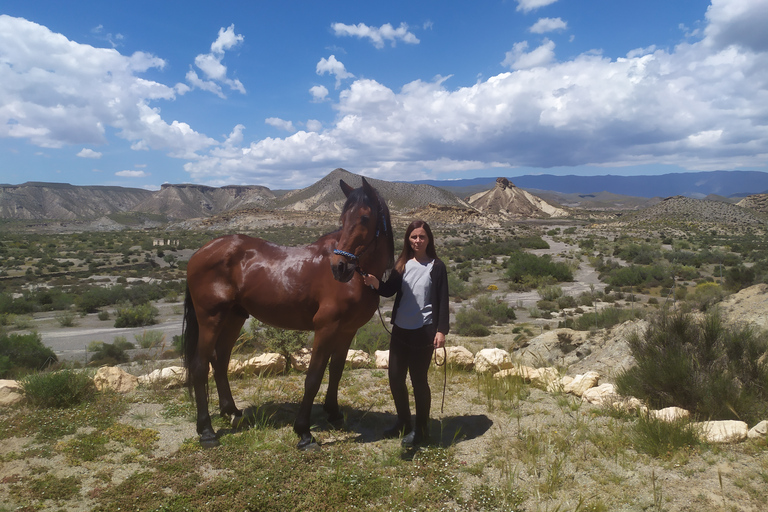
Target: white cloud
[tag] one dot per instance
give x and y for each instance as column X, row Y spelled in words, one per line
column 377, row 36
column 88, row 153
column 333, row 67
column 545, row 25
column 318, row 92
column 132, row 174
column 211, row 65
column 518, row 58
column 740, row 22
column 532, row 5
column 281, row 124
column 314, row 125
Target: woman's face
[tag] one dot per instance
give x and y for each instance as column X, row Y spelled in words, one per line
column 419, row 241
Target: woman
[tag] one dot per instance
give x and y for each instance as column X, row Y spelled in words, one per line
column 420, row 323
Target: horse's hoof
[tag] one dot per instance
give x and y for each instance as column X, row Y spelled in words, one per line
column 238, row 422
column 209, row 441
column 308, row 444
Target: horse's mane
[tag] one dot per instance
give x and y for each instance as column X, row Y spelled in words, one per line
column 383, row 223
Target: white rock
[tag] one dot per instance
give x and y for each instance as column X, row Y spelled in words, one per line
column 263, row 364
column 540, row 377
column 602, row 394
column 171, row 377
column 728, row 431
column 670, row 414
column 114, row 378
column 458, row 357
column 358, row 359
column 581, row 383
column 759, row 431
column 382, row 359
column 10, row 392
column 300, row 359
column 492, row 359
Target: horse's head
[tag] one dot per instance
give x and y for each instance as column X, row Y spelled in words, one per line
column 363, row 219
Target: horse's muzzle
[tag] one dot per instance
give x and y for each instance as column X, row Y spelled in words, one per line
column 342, row 269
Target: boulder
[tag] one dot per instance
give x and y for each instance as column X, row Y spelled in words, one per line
column 581, row 383
column 728, row 431
column 540, row 377
column 168, row 378
column 116, row 379
column 358, row 359
column 492, row 360
column 759, row 431
column 382, row 359
column 300, row 359
column 599, row 395
column 263, row 364
column 670, row 414
column 458, row 357
column 10, row 392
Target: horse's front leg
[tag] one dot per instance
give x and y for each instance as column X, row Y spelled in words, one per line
column 335, row 370
column 199, row 378
column 312, row 382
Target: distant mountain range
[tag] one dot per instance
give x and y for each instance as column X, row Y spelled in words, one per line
column 690, row 184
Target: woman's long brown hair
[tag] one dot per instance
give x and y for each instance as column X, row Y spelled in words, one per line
column 407, row 252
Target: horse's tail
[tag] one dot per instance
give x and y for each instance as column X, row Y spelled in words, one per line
column 190, row 333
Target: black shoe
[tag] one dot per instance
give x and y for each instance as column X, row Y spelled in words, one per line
column 415, row 438
column 396, row 431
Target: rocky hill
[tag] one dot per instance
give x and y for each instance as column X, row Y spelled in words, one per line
column 757, row 202
column 190, row 201
column 685, row 209
column 37, row 200
column 512, row 202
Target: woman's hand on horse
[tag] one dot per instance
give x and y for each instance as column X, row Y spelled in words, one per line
column 370, row 280
column 439, row 340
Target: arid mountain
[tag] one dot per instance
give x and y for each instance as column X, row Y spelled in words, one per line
column 685, row 209
column 189, row 201
column 37, row 200
column 512, row 202
column 326, row 195
column 757, row 202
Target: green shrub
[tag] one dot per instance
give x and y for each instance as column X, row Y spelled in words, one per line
column 498, row 310
column 522, row 264
column 265, row 338
column 66, row 318
column 715, row 371
column 660, row 438
column 136, row 316
column 103, row 315
column 110, row 353
column 551, row 293
column 371, row 337
column 59, row 389
column 603, row 319
column 705, row 295
column 149, row 339
column 472, row 322
column 23, row 352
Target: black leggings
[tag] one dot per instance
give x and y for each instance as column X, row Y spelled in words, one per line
column 410, row 351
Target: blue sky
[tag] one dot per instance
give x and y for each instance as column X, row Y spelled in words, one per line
column 279, row 94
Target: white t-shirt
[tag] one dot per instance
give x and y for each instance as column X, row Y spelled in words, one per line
column 415, row 308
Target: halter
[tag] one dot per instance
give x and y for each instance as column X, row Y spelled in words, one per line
column 354, row 258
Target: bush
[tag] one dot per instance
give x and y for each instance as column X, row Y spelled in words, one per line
column 715, row 371
column 265, row 338
column 658, row 437
column 136, row 316
column 603, row 319
column 149, row 339
column 110, row 353
column 23, row 352
column 371, row 337
column 66, row 318
column 498, row 310
column 471, row 322
column 706, row 295
column 60, row 389
column 522, row 264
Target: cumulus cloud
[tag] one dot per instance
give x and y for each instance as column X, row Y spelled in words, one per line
column 519, row 58
column 132, row 174
column 545, row 25
column 281, row 124
column 377, row 36
column 88, row 153
column 739, row 22
column 215, row 73
column 318, row 92
column 532, row 5
column 333, row 67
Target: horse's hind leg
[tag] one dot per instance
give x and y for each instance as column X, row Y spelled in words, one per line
column 198, row 370
column 224, row 344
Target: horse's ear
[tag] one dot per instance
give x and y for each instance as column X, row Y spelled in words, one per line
column 345, row 188
column 368, row 189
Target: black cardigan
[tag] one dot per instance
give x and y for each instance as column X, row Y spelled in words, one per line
column 438, row 294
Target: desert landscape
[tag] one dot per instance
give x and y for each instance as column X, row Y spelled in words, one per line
column 556, row 312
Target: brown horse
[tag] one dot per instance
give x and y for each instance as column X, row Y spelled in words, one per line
column 311, row 288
